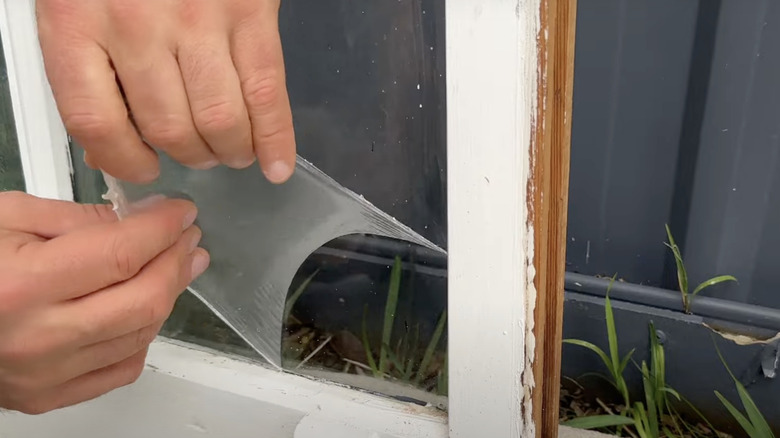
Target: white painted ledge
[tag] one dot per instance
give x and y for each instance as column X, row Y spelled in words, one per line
column 189, row 393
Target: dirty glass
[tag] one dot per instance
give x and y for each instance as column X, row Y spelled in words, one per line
column 11, row 176
column 675, row 123
column 367, row 87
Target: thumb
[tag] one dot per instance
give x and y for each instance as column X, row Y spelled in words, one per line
column 49, row 218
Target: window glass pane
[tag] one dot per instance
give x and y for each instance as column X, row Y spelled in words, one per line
column 11, row 176
column 675, row 122
column 367, row 87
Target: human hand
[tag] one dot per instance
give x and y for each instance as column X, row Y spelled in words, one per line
column 204, row 81
column 82, row 295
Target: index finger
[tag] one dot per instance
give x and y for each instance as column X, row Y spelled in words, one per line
column 49, row 218
column 257, row 54
column 90, row 102
column 92, row 258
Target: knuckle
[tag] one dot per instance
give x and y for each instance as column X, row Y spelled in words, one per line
column 143, row 338
column 98, row 211
column 91, row 125
column 262, row 91
column 121, row 262
column 167, row 133
column 156, row 309
column 218, row 117
column 133, row 370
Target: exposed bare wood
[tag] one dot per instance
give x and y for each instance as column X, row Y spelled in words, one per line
column 550, row 202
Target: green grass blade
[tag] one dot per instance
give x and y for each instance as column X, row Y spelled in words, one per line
column 426, row 360
column 598, row 421
column 625, row 360
column 367, row 346
column 390, row 308
column 600, row 376
column 754, row 414
column 640, row 422
column 658, row 369
column 682, row 274
column 595, row 349
column 713, row 281
column 757, row 420
column 397, row 364
column 746, row 425
column 651, row 400
column 442, row 388
column 697, row 411
column 410, row 361
column 288, row 306
column 611, row 330
column 669, row 390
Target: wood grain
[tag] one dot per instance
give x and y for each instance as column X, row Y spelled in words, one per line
column 550, row 185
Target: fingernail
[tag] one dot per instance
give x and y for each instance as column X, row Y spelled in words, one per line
column 189, row 218
column 278, row 172
column 150, row 176
column 242, row 163
column 194, row 241
column 200, row 261
column 210, row 164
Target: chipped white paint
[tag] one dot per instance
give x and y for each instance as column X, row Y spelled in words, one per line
column 491, row 105
column 43, row 142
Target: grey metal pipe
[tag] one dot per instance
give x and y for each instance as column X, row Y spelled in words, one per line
column 706, row 307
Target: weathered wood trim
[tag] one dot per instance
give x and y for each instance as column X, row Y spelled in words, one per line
column 550, row 190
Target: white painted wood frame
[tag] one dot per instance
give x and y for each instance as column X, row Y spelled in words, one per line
column 491, row 105
column 43, row 142
column 491, row 49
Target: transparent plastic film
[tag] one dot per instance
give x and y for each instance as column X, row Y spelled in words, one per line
column 259, row 234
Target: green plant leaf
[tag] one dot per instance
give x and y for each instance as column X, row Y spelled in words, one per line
column 390, row 308
column 652, row 403
column 367, row 345
column 757, row 420
column 426, row 360
column 713, row 281
column 598, row 421
column 288, row 306
column 746, row 425
column 394, row 360
column 442, row 387
column 640, row 421
column 658, row 369
column 682, row 274
column 611, row 330
column 600, row 376
column 595, row 349
column 625, row 360
column 410, row 361
column 697, row 411
column 669, row 390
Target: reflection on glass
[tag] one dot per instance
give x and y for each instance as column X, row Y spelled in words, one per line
column 11, row 176
column 371, row 307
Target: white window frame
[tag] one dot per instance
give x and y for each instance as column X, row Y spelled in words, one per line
column 492, row 69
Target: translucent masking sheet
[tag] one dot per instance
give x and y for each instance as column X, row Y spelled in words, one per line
column 259, row 234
